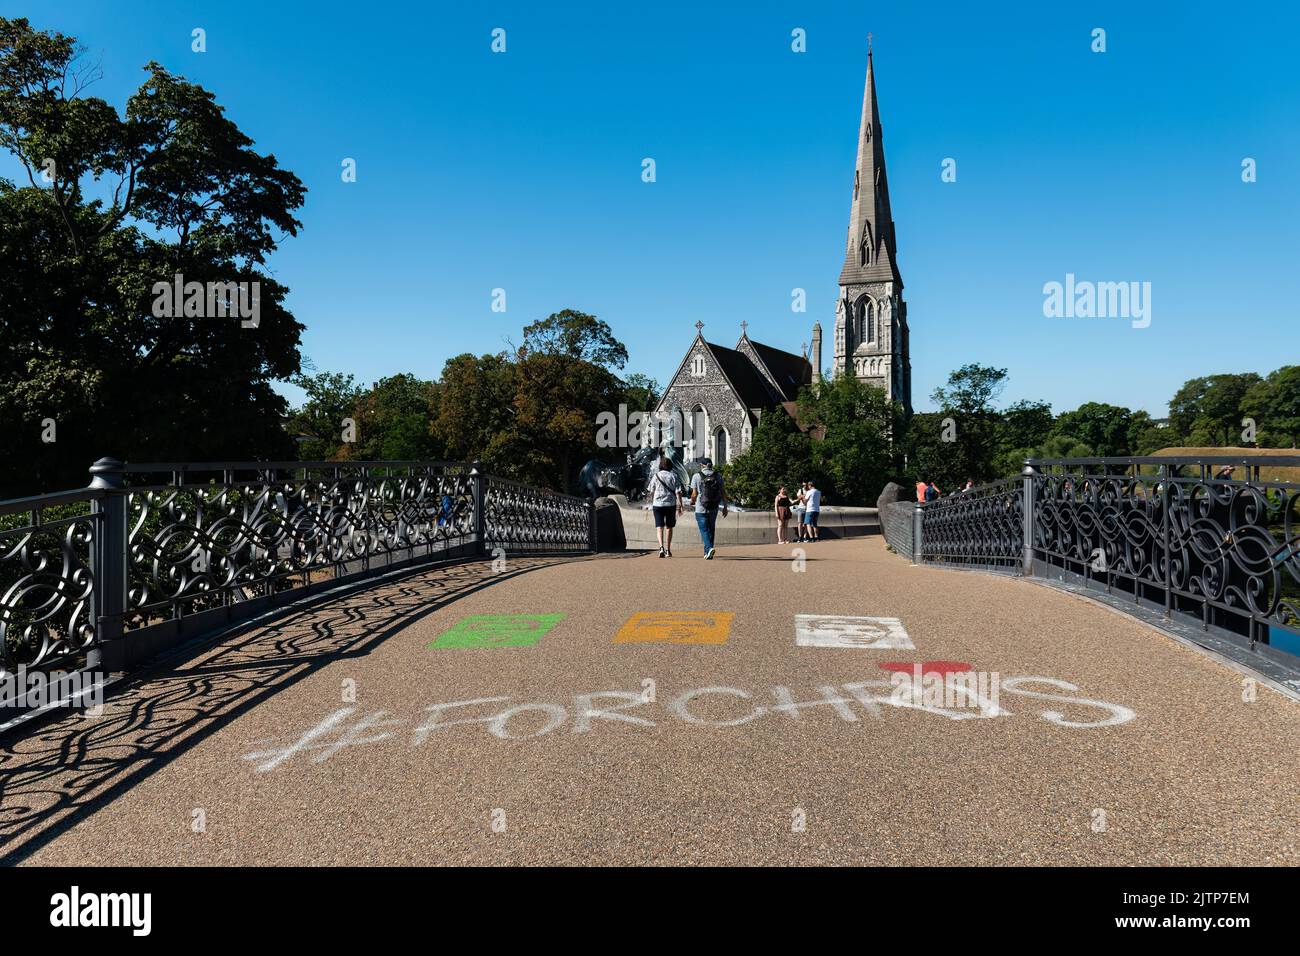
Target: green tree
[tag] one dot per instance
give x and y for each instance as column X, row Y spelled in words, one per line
column 1221, row 405
column 642, row 392
column 566, row 376
column 1274, row 404
column 317, row 425
column 962, row 442
column 1107, row 429
column 855, row 457
column 393, row 421
column 473, row 413
column 779, row 454
column 184, row 193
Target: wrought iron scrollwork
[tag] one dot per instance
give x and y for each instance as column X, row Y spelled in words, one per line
column 982, row 526
column 196, row 546
column 520, row 518
column 46, row 583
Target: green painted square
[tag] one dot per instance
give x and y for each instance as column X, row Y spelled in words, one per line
column 498, row 630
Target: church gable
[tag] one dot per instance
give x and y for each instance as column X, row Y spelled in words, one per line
column 699, row 374
column 723, row 388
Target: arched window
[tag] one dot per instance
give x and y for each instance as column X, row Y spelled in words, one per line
column 698, row 432
column 864, row 252
column 866, row 315
column 720, row 447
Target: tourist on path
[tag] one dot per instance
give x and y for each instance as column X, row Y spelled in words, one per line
column 783, row 508
column 799, row 508
column 814, row 506
column 666, row 504
column 708, row 495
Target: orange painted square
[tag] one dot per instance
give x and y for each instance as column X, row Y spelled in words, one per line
column 676, row 627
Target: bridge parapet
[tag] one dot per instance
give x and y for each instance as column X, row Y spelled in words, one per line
column 1201, row 537
column 152, row 554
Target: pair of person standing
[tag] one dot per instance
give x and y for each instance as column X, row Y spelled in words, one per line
column 810, row 497
column 707, row 495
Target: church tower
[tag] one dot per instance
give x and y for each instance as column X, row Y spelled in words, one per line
column 870, row 315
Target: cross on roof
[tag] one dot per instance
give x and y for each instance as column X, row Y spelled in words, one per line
column 699, row 326
column 744, row 327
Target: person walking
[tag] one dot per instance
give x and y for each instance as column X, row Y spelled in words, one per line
column 931, row 491
column 708, row 496
column 666, row 502
column 814, row 510
column 782, row 506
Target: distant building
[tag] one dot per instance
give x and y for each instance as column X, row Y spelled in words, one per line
column 718, row 394
column 871, row 316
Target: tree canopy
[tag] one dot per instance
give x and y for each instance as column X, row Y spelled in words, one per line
column 112, row 205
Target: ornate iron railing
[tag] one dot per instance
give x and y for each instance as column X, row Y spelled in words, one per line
column 47, row 581
column 1203, row 537
column 984, row 525
column 149, row 554
column 215, row 535
column 518, row 518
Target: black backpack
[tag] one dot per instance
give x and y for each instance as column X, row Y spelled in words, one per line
column 710, row 491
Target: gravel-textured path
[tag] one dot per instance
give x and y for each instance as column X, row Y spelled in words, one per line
column 320, row 740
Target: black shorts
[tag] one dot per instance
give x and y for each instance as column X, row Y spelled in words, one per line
column 665, row 516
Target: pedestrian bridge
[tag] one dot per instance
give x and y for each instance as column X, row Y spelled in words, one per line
column 418, row 663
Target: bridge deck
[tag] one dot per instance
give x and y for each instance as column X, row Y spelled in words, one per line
column 253, row 743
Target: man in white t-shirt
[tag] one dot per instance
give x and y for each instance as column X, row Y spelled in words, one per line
column 665, row 493
column 813, row 503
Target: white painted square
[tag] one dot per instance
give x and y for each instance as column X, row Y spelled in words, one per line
column 840, row 630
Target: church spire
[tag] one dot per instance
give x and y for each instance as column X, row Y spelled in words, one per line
column 870, row 251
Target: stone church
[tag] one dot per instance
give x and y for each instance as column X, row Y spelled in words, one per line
column 720, row 393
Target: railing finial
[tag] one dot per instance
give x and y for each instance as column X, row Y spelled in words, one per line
column 107, row 474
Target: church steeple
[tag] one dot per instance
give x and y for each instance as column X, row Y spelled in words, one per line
column 870, row 252
column 871, row 336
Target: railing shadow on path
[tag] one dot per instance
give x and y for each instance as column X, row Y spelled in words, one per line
column 63, row 772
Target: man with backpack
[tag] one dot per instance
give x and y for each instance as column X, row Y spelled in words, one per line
column 708, row 495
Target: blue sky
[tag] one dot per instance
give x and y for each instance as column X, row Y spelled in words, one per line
column 522, row 171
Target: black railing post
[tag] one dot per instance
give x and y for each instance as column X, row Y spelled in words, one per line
column 591, row 526
column 480, row 497
column 918, row 519
column 1165, row 500
column 109, row 566
column 1027, row 547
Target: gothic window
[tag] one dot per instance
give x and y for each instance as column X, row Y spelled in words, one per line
column 855, row 184
column 698, row 432
column 864, row 252
column 720, row 447
column 866, row 313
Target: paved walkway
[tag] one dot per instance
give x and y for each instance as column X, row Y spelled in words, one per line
column 327, row 738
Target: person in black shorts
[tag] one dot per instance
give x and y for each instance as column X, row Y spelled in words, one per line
column 665, row 493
